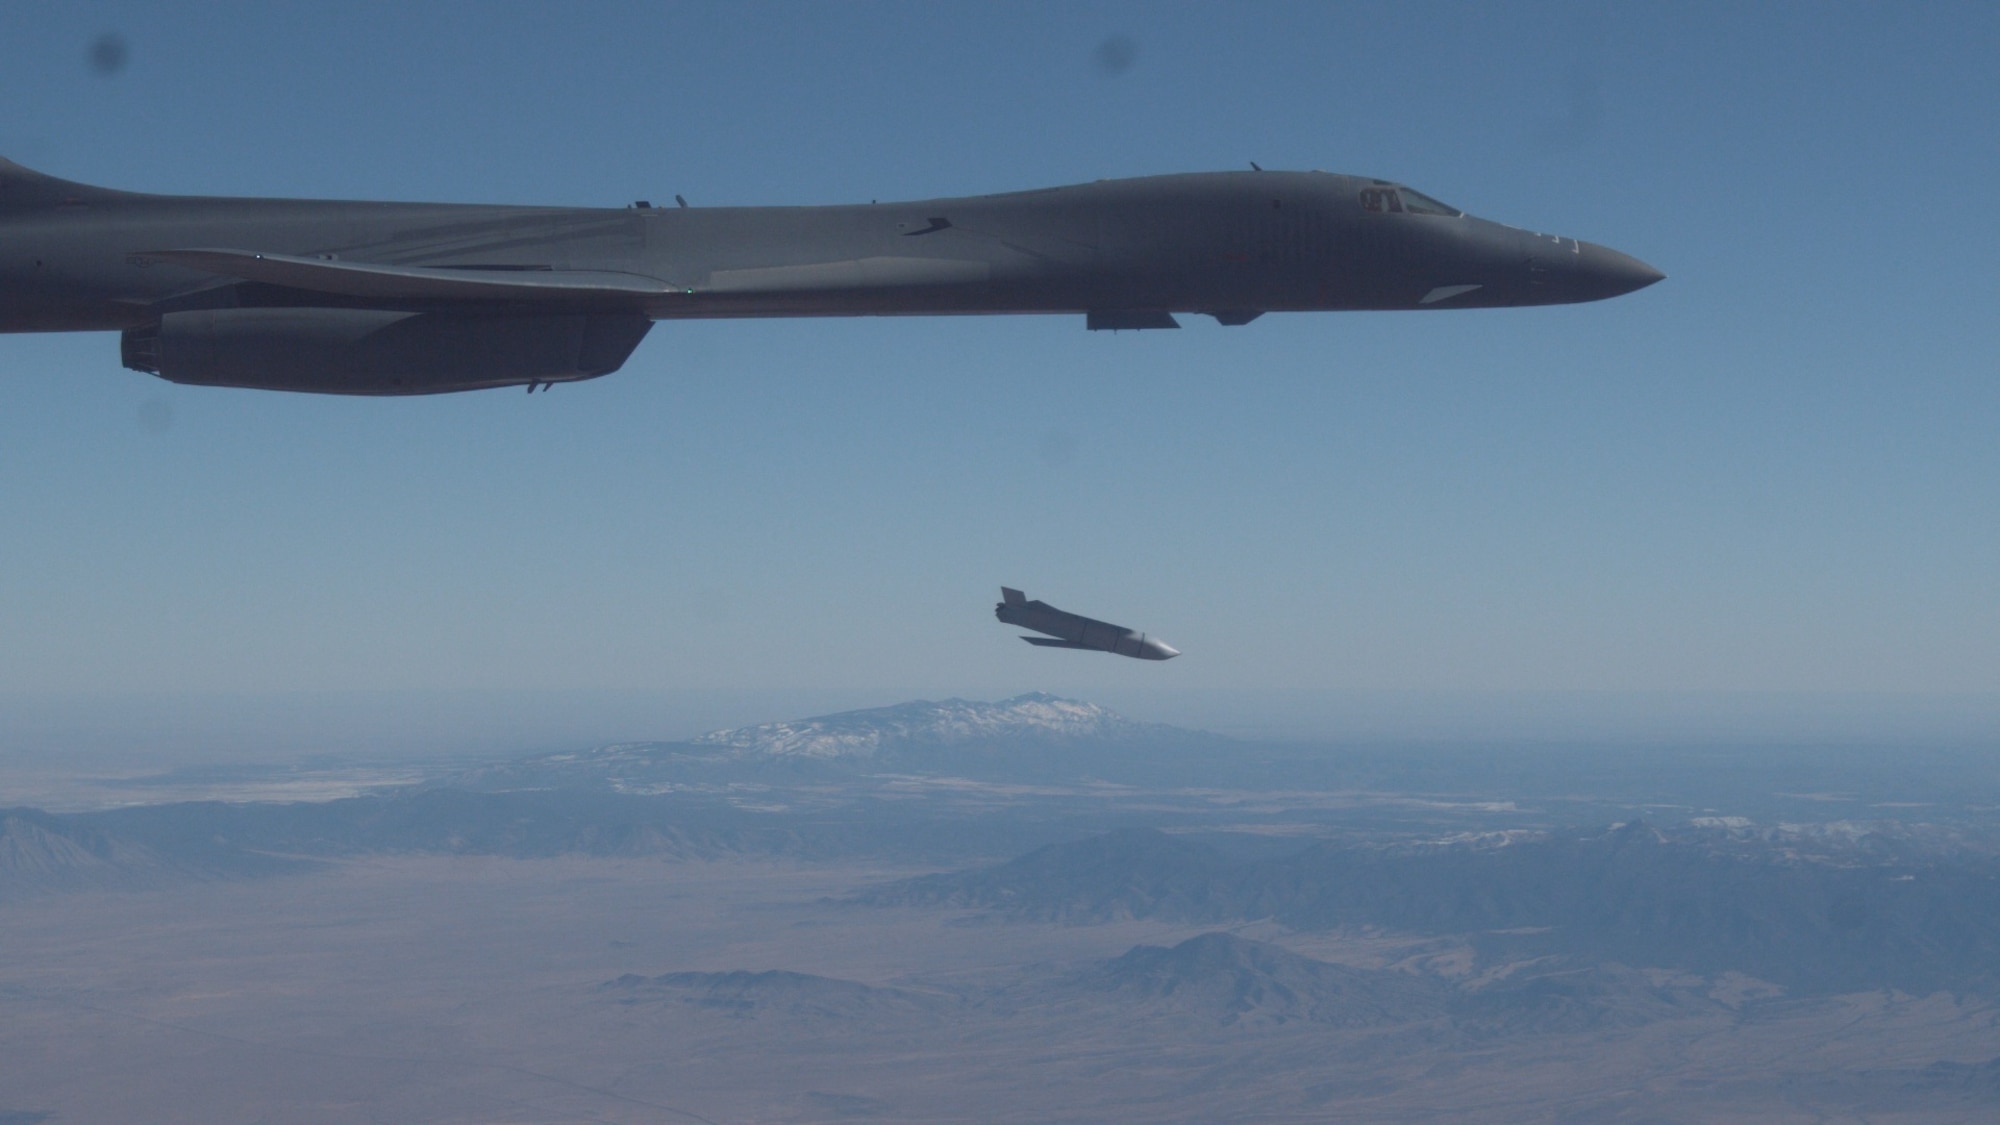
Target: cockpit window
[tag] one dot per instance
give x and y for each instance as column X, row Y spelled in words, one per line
column 1386, row 199
column 1417, row 203
column 1380, row 199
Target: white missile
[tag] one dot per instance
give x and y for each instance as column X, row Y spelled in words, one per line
column 1069, row 630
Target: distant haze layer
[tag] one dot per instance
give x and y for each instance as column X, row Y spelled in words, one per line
column 161, row 728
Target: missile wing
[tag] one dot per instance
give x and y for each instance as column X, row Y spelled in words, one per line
column 1071, row 630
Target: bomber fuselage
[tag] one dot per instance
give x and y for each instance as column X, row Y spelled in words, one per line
column 399, row 298
column 1226, row 243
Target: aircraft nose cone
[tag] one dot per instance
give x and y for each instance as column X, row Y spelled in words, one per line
column 1605, row 272
column 1159, row 650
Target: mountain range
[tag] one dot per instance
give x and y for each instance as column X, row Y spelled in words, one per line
column 1700, row 899
column 1029, row 737
column 43, row 853
column 1835, row 907
column 886, row 732
column 1215, row 980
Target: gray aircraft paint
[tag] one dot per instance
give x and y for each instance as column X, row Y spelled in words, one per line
column 1072, row 630
column 393, row 298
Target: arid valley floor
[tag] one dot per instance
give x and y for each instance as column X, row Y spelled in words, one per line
column 486, row 990
column 457, row 955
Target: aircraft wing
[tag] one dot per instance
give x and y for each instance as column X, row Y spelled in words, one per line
column 371, row 279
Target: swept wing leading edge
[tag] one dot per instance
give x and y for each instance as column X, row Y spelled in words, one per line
column 370, row 279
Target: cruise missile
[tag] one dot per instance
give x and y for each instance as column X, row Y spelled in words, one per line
column 1070, row 630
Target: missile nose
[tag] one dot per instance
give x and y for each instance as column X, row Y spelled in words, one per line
column 1158, row 650
column 1608, row 273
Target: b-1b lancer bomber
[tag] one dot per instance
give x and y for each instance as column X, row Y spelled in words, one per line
column 419, row 298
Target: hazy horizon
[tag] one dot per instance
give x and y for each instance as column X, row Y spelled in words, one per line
column 162, row 730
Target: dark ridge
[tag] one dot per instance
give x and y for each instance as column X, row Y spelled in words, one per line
column 1703, row 902
column 1232, row 979
column 42, row 853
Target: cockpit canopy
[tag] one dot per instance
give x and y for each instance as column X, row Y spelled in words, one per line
column 1386, row 198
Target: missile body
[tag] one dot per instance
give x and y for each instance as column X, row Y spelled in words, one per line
column 1070, row 630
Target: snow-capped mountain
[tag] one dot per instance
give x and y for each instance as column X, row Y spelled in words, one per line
column 1031, row 735
column 1035, row 717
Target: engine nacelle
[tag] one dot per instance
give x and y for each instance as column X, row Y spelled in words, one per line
column 380, row 351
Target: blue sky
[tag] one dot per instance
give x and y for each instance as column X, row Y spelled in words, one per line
column 1773, row 475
